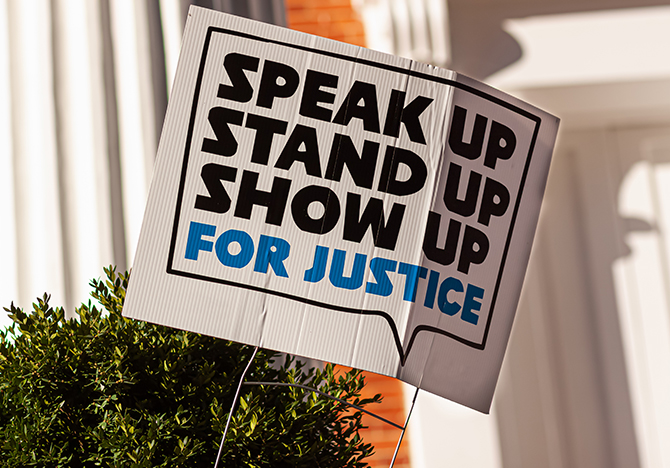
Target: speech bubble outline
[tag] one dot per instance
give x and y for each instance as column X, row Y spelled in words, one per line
column 402, row 352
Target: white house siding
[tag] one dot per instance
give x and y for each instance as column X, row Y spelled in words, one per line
column 83, row 91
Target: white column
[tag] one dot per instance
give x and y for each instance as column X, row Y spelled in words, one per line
column 642, row 285
column 173, row 29
column 8, row 281
column 135, row 111
column 443, row 433
column 38, row 223
column 83, row 160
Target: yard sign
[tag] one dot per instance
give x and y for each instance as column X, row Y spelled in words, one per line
column 333, row 202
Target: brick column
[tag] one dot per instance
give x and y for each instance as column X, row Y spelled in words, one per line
column 334, row 19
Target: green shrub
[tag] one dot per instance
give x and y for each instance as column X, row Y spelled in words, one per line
column 103, row 390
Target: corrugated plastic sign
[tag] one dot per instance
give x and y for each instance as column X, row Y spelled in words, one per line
column 337, row 203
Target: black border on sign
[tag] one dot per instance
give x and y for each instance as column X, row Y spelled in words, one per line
column 403, row 353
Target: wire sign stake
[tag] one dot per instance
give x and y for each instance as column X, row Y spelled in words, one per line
column 305, row 387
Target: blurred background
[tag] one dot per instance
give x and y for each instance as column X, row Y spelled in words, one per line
column 586, row 381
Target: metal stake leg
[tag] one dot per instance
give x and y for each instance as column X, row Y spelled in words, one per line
column 232, row 407
column 402, row 434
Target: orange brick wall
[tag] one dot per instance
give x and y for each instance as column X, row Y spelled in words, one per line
column 383, row 436
column 336, row 19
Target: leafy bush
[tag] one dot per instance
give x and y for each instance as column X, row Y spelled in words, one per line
column 103, row 390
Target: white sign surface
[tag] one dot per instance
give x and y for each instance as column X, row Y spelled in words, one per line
column 337, row 203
